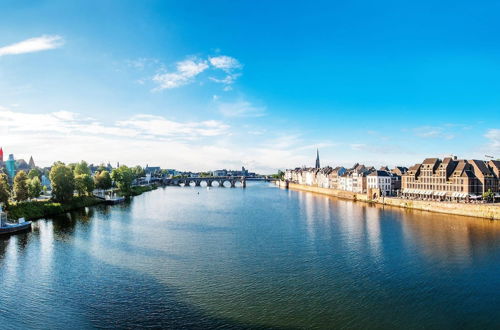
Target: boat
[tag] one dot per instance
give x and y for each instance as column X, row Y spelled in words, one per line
column 7, row 228
column 114, row 200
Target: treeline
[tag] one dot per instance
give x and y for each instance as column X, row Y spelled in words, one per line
column 66, row 180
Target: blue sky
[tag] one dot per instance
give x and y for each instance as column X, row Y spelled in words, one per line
column 208, row 84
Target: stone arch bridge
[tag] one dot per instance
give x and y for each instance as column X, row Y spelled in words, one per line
column 208, row 180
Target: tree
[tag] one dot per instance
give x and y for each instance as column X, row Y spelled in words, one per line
column 488, row 195
column 34, row 187
column 34, row 173
column 4, row 188
column 82, row 168
column 84, row 184
column 62, row 181
column 103, row 180
column 139, row 172
column 21, row 192
column 123, row 177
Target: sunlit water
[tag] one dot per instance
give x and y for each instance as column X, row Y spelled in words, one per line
column 256, row 257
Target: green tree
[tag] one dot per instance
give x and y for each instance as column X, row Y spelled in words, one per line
column 62, row 181
column 488, row 195
column 84, row 184
column 139, row 172
column 34, row 173
column 123, row 177
column 82, row 168
column 4, row 188
column 103, row 180
column 34, row 187
column 21, row 192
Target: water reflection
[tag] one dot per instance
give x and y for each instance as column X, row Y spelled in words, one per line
column 260, row 257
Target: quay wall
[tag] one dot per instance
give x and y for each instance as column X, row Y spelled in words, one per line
column 488, row 211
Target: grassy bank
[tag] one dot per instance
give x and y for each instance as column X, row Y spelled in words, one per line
column 36, row 209
column 137, row 190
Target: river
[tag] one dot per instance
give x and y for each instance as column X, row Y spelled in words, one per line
column 260, row 257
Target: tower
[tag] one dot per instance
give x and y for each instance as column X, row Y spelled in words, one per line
column 317, row 159
column 31, row 163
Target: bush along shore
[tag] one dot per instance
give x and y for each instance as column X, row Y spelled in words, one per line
column 32, row 210
column 137, row 190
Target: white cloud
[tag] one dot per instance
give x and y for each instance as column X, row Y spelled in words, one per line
column 33, row 45
column 225, row 63
column 494, row 144
column 433, row 132
column 241, row 109
column 186, row 71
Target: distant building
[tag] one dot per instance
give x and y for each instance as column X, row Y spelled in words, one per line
column 152, row 170
column 318, row 166
column 10, row 165
column 45, row 182
column 31, row 163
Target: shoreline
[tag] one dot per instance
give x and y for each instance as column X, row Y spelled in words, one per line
column 485, row 211
column 36, row 210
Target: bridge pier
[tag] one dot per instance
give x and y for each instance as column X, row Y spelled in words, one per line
column 233, row 183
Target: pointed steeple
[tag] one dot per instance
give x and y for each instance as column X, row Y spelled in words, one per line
column 317, row 159
column 31, row 162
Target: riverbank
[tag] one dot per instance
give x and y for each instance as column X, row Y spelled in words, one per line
column 137, row 190
column 488, row 211
column 41, row 209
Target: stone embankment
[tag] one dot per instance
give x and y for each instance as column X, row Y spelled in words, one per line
column 488, row 211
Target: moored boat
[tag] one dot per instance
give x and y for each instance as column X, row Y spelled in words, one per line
column 7, row 228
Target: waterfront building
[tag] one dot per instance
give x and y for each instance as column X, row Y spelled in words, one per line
column 380, row 180
column 354, row 179
column 396, row 174
column 322, row 177
column 451, row 179
column 334, row 176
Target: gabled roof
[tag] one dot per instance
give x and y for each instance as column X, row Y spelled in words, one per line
column 430, row 161
column 379, row 173
column 481, row 166
column 415, row 167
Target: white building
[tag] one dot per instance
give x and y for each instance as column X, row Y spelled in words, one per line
column 380, row 180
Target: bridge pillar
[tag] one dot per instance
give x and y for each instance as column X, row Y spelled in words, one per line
column 233, row 183
column 197, row 183
column 209, row 183
column 221, row 184
column 243, row 182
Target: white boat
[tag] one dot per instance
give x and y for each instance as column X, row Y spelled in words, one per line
column 7, row 228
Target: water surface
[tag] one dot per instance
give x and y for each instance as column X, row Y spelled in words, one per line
column 251, row 258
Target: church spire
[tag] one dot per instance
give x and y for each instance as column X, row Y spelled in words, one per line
column 317, row 159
